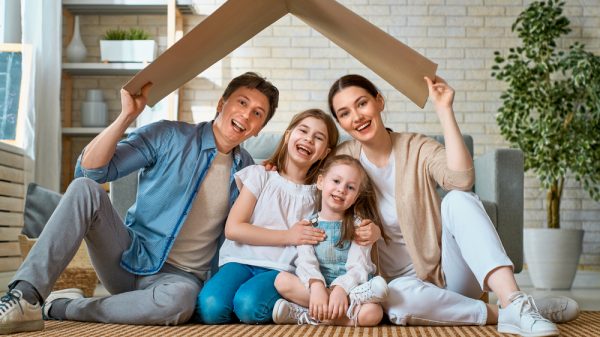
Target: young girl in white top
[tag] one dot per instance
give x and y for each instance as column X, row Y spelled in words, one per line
column 337, row 269
column 260, row 237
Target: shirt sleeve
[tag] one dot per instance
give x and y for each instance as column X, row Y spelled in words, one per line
column 358, row 268
column 307, row 265
column 142, row 148
column 437, row 166
column 253, row 177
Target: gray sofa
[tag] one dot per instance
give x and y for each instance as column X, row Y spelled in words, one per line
column 499, row 184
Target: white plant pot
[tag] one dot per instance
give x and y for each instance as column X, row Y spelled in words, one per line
column 552, row 256
column 127, row 50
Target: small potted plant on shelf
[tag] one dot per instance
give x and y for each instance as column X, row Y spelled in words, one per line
column 551, row 111
column 133, row 45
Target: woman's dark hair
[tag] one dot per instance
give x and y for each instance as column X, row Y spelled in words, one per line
column 253, row 80
column 346, row 81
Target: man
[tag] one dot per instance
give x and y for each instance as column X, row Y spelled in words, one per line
column 155, row 263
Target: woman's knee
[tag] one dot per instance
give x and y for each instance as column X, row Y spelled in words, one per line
column 456, row 197
column 370, row 314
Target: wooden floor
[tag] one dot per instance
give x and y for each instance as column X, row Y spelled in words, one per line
column 587, row 325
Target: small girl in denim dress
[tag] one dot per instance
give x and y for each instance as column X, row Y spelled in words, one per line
column 332, row 283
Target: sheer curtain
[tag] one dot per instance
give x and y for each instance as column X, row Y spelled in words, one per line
column 41, row 27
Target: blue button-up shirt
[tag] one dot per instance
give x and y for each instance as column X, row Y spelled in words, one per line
column 172, row 159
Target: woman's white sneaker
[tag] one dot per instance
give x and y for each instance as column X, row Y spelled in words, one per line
column 522, row 317
column 558, row 309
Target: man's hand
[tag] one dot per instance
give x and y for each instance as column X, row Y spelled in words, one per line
column 367, row 233
column 133, row 105
column 338, row 303
column 317, row 305
column 303, row 233
column 269, row 166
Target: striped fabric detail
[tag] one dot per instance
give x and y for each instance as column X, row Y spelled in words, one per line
column 588, row 324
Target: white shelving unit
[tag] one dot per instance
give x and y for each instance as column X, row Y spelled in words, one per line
column 102, row 69
column 174, row 10
column 96, row 7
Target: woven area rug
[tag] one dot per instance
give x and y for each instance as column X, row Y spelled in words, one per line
column 587, row 325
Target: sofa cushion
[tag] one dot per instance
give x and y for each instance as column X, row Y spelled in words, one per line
column 40, row 203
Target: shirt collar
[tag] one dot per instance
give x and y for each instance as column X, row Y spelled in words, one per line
column 208, row 142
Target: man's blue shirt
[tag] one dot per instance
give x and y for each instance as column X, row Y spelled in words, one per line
column 172, row 159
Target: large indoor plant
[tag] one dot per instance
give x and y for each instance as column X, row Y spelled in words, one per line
column 133, row 45
column 551, row 111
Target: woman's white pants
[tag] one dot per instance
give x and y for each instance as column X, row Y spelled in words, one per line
column 471, row 249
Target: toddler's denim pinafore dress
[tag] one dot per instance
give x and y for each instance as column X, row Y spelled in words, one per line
column 332, row 259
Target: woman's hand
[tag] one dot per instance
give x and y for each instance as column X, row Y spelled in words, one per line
column 367, row 233
column 303, row 233
column 338, row 303
column 441, row 93
column 317, row 305
column 133, row 105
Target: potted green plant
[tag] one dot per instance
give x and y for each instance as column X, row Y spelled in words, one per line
column 133, row 45
column 551, row 111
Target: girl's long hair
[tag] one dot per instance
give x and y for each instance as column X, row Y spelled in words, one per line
column 365, row 206
column 279, row 156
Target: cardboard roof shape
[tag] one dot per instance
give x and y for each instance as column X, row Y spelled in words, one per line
column 236, row 21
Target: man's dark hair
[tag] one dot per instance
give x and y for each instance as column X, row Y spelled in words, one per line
column 253, row 80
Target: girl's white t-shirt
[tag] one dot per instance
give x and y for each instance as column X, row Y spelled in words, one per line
column 280, row 203
column 394, row 258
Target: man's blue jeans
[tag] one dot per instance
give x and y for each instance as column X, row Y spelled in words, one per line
column 238, row 291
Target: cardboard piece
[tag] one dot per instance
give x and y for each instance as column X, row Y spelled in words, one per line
column 236, row 21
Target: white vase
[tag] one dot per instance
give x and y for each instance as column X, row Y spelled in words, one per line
column 94, row 112
column 76, row 51
column 552, row 256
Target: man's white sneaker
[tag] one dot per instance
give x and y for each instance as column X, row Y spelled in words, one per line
column 69, row 293
column 522, row 317
column 558, row 309
column 373, row 291
column 18, row 315
column 286, row 312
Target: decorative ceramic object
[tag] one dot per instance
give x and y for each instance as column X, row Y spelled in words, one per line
column 552, row 256
column 76, row 51
column 94, row 112
column 127, row 50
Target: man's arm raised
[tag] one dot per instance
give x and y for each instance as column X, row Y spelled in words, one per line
column 102, row 148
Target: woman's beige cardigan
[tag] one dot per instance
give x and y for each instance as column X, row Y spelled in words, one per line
column 420, row 166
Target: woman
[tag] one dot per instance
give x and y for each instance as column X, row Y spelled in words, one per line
column 439, row 259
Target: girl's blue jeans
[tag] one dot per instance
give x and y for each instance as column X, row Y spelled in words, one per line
column 238, row 292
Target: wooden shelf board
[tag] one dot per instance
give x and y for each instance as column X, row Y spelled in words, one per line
column 103, row 69
column 127, row 7
column 86, row 131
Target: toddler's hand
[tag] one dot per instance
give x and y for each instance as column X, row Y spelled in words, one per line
column 338, row 303
column 317, row 305
column 303, row 233
column 367, row 233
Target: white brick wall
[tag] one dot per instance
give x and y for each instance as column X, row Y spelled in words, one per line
column 459, row 35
